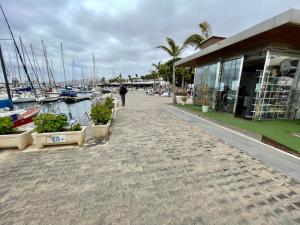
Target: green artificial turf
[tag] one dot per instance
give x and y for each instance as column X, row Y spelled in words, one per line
column 278, row 130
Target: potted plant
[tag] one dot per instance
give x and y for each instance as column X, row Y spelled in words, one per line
column 109, row 103
column 52, row 129
column 101, row 116
column 204, row 98
column 183, row 100
column 205, row 104
column 180, row 94
column 11, row 137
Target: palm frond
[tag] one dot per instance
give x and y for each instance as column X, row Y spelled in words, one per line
column 172, row 49
column 165, row 49
column 156, row 66
column 194, row 40
column 205, row 29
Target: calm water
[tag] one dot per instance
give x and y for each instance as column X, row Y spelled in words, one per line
column 76, row 109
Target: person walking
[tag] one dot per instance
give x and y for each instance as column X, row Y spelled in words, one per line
column 123, row 91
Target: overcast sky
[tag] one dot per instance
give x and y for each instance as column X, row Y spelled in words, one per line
column 123, row 34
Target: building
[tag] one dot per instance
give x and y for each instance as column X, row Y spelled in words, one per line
column 138, row 83
column 253, row 74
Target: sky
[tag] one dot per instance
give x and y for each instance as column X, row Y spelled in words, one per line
column 122, row 34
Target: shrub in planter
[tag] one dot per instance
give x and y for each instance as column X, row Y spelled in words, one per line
column 51, row 129
column 100, row 114
column 109, row 103
column 48, row 122
column 11, row 137
column 7, row 126
column 75, row 127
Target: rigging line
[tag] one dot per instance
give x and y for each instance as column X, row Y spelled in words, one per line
column 18, row 65
column 63, row 62
column 5, row 76
column 12, row 35
column 33, row 70
column 10, row 67
column 36, row 64
column 52, row 73
column 47, row 63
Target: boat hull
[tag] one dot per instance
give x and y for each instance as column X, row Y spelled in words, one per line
column 49, row 99
column 26, row 117
column 23, row 100
column 70, row 100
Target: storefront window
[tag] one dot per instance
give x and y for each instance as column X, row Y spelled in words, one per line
column 228, row 85
column 278, row 91
column 205, row 79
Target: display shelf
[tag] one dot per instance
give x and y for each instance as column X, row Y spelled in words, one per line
column 272, row 96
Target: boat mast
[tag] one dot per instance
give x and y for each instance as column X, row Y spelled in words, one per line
column 94, row 69
column 47, row 63
column 73, row 72
column 5, row 74
column 18, row 66
column 63, row 63
column 36, row 64
column 24, row 66
column 82, row 78
column 32, row 68
column 52, row 73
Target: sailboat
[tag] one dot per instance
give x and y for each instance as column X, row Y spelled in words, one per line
column 19, row 117
column 23, row 95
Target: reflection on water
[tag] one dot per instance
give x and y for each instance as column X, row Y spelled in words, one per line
column 77, row 109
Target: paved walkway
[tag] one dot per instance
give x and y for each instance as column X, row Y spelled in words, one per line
column 156, row 169
column 282, row 161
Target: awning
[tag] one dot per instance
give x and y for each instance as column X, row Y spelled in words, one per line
column 282, row 31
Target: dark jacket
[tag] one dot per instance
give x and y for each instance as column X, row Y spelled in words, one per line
column 123, row 90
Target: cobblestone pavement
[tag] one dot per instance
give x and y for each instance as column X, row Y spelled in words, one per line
column 156, row 169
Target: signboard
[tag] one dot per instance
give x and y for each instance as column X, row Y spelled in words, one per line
column 56, row 139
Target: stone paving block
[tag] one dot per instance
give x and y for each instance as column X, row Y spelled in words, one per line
column 156, row 169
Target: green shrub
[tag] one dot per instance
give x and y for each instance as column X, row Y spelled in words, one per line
column 109, row 103
column 181, row 93
column 7, row 126
column 48, row 122
column 100, row 114
column 75, row 127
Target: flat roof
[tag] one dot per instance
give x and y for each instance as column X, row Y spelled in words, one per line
column 212, row 37
column 281, row 29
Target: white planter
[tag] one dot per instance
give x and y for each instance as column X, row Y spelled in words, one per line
column 205, row 108
column 178, row 98
column 21, row 141
column 114, row 113
column 116, row 102
column 183, row 102
column 101, row 131
column 114, row 91
column 59, row 138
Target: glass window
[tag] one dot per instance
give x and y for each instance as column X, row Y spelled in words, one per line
column 205, row 79
column 228, row 85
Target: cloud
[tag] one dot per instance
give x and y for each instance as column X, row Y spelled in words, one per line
column 123, row 34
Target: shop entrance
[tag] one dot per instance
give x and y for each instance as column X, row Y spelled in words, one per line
column 252, row 68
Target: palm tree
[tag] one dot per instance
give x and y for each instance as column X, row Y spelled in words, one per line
column 156, row 70
column 174, row 51
column 195, row 39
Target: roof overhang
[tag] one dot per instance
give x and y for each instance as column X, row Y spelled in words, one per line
column 280, row 31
